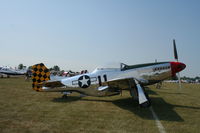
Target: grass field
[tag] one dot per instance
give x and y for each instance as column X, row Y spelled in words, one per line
column 24, row 110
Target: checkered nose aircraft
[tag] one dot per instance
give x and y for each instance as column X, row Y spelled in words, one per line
column 109, row 81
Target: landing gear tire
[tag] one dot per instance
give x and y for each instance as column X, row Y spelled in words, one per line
column 64, row 97
column 145, row 105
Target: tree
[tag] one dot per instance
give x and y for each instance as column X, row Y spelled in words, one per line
column 55, row 68
column 174, row 78
column 30, row 67
column 20, row 66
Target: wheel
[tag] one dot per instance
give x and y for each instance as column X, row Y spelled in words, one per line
column 146, row 104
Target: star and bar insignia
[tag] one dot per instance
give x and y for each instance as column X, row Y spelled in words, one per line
column 84, row 81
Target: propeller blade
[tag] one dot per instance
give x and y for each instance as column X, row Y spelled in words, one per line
column 179, row 80
column 175, row 50
column 176, row 58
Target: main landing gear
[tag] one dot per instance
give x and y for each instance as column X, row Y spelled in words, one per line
column 138, row 92
column 147, row 103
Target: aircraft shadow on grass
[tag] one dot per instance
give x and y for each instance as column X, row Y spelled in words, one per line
column 69, row 99
column 164, row 110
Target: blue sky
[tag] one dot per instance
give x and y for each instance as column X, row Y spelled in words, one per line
column 85, row 34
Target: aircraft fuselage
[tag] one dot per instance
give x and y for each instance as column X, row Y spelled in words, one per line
column 104, row 81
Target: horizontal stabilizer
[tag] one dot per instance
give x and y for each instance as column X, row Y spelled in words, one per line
column 51, row 84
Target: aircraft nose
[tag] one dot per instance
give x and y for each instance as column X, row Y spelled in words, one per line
column 177, row 67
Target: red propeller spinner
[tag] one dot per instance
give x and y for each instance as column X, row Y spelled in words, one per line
column 177, row 67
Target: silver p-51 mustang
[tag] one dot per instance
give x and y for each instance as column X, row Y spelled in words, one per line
column 109, row 81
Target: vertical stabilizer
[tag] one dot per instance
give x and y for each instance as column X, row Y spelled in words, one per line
column 40, row 73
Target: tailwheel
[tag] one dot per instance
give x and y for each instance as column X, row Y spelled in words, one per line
column 64, row 97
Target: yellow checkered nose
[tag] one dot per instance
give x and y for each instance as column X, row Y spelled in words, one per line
column 40, row 74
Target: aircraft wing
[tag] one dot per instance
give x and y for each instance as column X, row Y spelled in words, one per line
column 125, row 81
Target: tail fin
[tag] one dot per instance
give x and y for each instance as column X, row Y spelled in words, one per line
column 40, row 73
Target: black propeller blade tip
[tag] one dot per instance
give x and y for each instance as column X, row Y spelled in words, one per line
column 175, row 50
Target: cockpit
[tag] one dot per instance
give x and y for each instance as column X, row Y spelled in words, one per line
column 107, row 69
column 4, row 68
column 120, row 67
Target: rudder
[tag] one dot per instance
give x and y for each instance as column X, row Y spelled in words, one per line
column 40, row 73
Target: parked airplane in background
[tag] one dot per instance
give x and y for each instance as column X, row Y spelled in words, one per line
column 9, row 71
column 109, row 81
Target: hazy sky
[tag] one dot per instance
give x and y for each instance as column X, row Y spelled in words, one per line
column 85, row 34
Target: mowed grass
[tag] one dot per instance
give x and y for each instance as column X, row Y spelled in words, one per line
column 24, row 110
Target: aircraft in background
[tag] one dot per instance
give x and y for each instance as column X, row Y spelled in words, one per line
column 10, row 71
column 109, row 81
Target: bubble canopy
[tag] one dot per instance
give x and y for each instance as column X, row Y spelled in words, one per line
column 111, row 66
